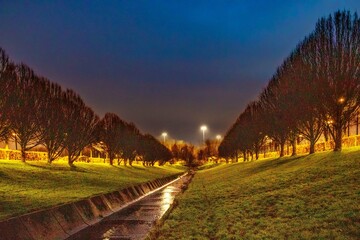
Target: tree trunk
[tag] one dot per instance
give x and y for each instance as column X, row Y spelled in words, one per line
column 23, row 153
column 49, row 157
column 256, row 154
column 293, row 144
column 338, row 139
column 312, row 146
column 70, row 161
column 282, row 146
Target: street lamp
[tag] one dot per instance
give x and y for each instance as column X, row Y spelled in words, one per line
column 218, row 137
column 203, row 128
column 14, row 134
column 164, row 134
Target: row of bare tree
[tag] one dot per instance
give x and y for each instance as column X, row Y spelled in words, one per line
column 195, row 156
column 124, row 141
column 184, row 152
column 315, row 90
column 36, row 111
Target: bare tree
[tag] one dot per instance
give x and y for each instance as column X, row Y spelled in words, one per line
column 152, row 150
column 25, row 107
column 187, row 154
column 7, row 78
column 303, row 81
column 130, row 142
column 53, row 120
column 229, row 146
column 175, row 151
column 82, row 127
column 112, row 129
column 276, row 112
column 338, row 56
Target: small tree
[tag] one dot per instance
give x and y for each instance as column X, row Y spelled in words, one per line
column 175, row 151
column 187, row 154
column 130, row 143
column 112, row 129
column 152, row 150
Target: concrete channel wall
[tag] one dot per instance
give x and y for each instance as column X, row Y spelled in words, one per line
column 62, row 221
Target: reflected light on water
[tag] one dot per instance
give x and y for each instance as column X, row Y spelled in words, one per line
column 167, row 198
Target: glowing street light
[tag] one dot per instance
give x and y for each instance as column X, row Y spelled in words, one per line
column 164, row 134
column 203, row 128
column 14, row 134
column 341, row 100
column 218, row 138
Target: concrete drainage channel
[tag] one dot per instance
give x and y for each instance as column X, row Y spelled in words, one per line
column 137, row 220
column 106, row 216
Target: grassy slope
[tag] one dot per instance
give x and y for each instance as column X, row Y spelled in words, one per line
column 35, row 185
column 309, row 197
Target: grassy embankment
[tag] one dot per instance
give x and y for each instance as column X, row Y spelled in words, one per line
column 307, row 197
column 36, row 185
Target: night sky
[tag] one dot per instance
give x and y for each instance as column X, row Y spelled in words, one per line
column 164, row 65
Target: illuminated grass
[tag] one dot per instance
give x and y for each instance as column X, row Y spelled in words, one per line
column 35, row 185
column 307, row 197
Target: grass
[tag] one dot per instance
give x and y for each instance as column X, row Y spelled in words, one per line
column 306, row 197
column 208, row 165
column 29, row 186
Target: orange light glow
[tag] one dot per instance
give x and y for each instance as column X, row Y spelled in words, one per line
column 341, row 100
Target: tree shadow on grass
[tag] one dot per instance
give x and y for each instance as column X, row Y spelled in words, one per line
column 79, row 169
column 119, row 167
column 128, row 167
column 4, row 176
column 51, row 167
column 137, row 168
column 278, row 162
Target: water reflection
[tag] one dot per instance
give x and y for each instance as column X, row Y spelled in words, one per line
column 167, row 198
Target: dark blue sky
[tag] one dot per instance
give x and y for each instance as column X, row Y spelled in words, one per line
column 164, row 65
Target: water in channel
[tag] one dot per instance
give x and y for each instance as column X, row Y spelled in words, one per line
column 136, row 220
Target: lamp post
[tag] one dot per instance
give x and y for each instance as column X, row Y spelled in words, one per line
column 164, row 134
column 203, row 128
